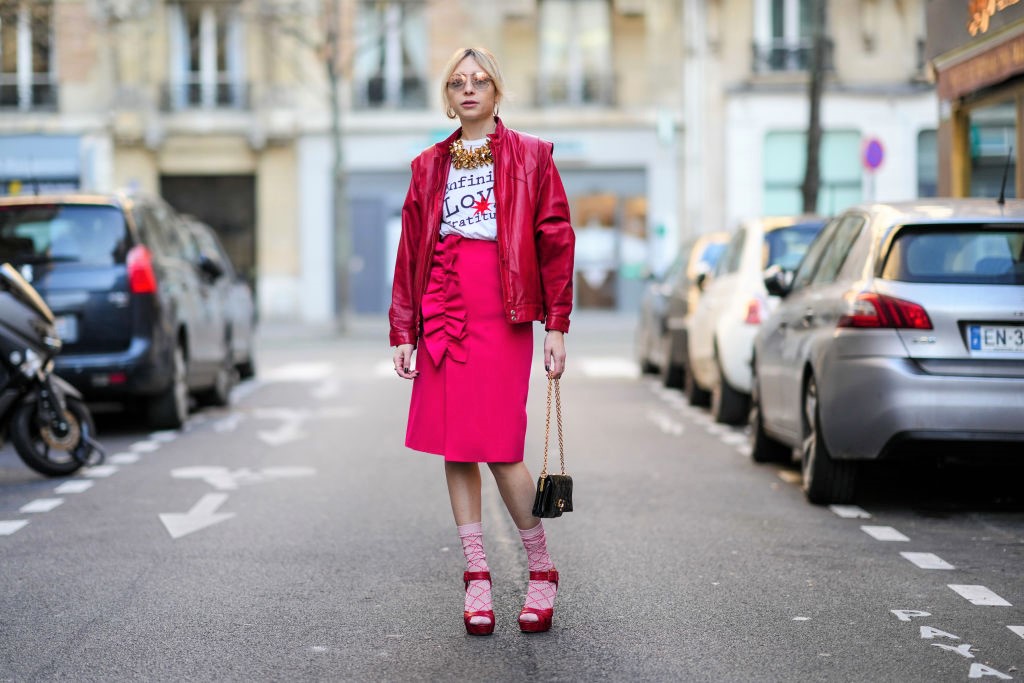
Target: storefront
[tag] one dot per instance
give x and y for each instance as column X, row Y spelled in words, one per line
column 977, row 52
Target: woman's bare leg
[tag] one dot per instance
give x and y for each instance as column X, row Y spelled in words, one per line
column 517, row 489
column 464, row 491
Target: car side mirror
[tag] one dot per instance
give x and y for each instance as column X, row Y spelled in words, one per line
column 210, row 268
column 778, row 281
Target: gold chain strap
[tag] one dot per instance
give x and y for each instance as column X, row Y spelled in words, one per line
column 547, row 427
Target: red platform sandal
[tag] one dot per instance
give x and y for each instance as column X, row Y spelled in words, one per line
column 478, row 629
column 544, row 616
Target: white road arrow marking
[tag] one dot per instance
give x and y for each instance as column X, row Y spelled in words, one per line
column 292, row 421
column 1019, row 630
column 223, row 479
column 203, row 514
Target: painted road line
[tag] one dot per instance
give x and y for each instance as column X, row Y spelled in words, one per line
column 665, row 423
column 123, row 459
column 144, row 446
column 41, row 505
column 228, row 424
column 608, row 367
column 979, row 595
column 928, row 561
column 100, row 471
column 1019, row 630
column 744, row 449
column 74, row 486
column 850, row 511
column 9, row 527
column 884, row 533
column 300, row 372
column 790, row 477
column 734, row 438
column 164, row 436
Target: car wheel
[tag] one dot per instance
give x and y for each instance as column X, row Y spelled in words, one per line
column 825, row 480
column 763, row 448
column 169, row 409
column 227, row 377
column 671, row 373
column 643, row 353
column 728, row 405
column 694, row 393
column 247, row 368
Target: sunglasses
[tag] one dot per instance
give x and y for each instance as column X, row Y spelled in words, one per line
column 481, row 81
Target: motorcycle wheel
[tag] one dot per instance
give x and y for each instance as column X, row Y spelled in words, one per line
column 44, row 451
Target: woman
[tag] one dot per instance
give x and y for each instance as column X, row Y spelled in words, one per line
column 486, row 249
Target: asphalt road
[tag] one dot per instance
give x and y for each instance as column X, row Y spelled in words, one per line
column 293, row 537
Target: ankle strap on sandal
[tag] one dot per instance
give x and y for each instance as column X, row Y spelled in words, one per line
column 475, row 576
column 551, row 576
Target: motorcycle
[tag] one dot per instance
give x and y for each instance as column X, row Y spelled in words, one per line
column 44, row 417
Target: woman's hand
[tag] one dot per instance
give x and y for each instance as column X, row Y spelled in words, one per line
column 554, row 353
column 403, row 361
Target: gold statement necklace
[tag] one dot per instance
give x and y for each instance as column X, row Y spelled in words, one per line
column 463, row 158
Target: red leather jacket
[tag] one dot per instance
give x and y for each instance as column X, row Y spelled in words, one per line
column 535, row 238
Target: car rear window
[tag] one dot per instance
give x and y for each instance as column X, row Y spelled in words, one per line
column 76, row 233
column 961, row 254
column 785, row 247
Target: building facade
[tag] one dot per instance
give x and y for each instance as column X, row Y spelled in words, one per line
column 875, row 94
column 670, row 118
column 976, row 50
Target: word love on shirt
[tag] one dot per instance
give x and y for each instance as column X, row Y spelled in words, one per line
column 470, row 199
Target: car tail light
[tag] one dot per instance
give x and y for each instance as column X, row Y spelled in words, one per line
column 141, row 278
column 753, row 316
column 878, row 310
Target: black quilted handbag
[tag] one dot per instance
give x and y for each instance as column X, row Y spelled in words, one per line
column 554, row 491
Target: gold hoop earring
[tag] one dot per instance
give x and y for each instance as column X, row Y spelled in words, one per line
column 450, row 112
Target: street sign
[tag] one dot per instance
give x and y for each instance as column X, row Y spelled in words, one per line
column 874, row 153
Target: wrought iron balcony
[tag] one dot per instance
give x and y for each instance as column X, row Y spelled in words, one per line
column 575, row 90
column 193, row 93
column 39, row 94
column 788, row 55
column 376, row 92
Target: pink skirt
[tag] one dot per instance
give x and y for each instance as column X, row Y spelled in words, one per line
column 469, row 399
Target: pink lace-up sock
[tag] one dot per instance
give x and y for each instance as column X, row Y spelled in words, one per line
column 539, row 594
column 478, row 595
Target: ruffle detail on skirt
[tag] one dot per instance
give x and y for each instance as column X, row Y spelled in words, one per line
column 444, row 311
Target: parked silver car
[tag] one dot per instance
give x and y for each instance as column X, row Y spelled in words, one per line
column 904, row 323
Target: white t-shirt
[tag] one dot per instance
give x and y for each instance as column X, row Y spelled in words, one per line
column 469, row 208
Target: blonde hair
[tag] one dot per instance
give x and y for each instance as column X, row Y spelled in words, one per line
column 487, row 61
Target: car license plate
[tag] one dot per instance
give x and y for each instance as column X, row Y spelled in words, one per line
column 996, row 337
column 67, row 328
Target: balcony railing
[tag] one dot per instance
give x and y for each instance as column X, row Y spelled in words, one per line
column 788, row 55
column 377, row 93
column 575, row 90
column 193, row 93
column 39, row 94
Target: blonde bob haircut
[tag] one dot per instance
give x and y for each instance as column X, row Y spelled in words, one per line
column 487, row 61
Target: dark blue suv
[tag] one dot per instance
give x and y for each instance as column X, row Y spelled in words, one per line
column 135, row 300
